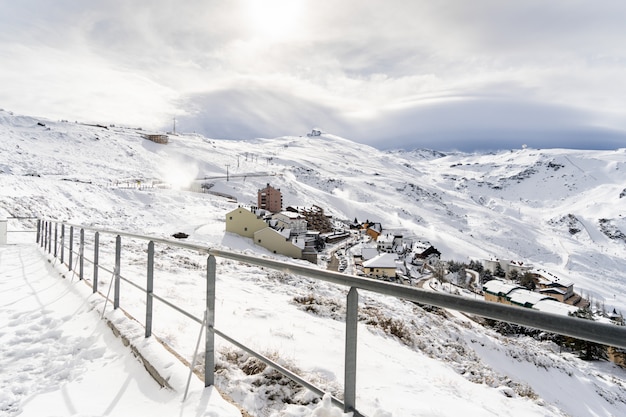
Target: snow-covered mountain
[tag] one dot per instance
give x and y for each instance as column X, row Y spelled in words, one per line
column 562, row 210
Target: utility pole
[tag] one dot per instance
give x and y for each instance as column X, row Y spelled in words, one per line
column 227, row 178
column 174, row 129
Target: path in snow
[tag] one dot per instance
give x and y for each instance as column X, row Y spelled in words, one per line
column 58, row 358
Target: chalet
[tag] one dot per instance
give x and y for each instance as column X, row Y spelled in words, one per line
column 424, row 252
column 383, row 265
column 373, row 230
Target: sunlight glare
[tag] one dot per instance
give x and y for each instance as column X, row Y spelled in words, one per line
column 273, row 19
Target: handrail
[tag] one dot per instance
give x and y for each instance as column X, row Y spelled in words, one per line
column 606, row 334
column 602, row 333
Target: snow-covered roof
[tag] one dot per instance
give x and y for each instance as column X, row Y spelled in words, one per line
column 495, row 286
column 524, row 297
column 547, row 278
column 290, row 215
column 384, row 260
column 386, row 238
column 555, row 307
column 369, row 253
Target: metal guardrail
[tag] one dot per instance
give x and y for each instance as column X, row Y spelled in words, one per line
column 51, row 239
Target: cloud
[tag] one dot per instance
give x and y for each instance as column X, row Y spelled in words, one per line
column 366, row 70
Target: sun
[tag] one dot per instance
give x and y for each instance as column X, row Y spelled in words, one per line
column 273, row 19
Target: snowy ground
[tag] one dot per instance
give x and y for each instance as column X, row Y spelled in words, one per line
column 411, row 361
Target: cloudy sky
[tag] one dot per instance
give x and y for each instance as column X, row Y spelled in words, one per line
column 447, row 74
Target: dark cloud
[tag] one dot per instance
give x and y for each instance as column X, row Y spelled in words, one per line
column 471, row 124
column 253, row 112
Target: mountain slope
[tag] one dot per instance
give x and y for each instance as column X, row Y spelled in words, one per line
column 558, row 209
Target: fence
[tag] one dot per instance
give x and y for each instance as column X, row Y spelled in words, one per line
column 53, row 237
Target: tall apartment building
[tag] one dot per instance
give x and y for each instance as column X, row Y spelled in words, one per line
column 270, row 199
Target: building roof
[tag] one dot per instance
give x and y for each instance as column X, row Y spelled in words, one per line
column 290, row 215
column 369, row 253
column 386, row 238
column 547, row 278
column 498, row 287
column 384, row 260
column 525, row 297
column 555, row 307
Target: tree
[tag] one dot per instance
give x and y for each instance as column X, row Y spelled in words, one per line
column 587, row 350
column 485, row 276
column 476, row 266
column 514, row 275
column 528, row 280
column 499, row 272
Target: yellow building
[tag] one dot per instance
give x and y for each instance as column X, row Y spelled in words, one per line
column 245, row 222
column 276, row 242
column 383, row 265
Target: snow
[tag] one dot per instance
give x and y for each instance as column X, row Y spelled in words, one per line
column 57, row 352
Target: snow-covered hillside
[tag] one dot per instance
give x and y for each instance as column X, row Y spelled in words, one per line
column 559, row 209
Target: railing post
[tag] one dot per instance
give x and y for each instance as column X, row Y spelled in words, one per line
column 118, row 256
column 39, row 231
column 349, row 389
column 50, row 237
column 71, row 246
column 149, row 288
column 81, row 252
column 62, row 243
column 96, row 253
column 56, row 238
column 209, row 351
column 44, row 231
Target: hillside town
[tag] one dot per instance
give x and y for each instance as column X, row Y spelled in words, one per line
column 367, row 249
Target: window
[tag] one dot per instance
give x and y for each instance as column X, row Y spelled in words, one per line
column 259, row 240
column 231, row 217
column 245, row 229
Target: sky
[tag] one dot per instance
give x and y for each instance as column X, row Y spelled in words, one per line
column 445, row 75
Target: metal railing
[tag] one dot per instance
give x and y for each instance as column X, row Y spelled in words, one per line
column 51, row 235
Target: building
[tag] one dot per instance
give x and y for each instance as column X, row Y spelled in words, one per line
column 373, row 230
column 277, row 242
column 255, row 224
column 383, row 265
column 507, row 266
column 553, row 286
column 511, row 294
column 156, row 138
column 296, row 223
column 245, row 222
column 498, row 291
column 270, row 199
column 315, row 217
